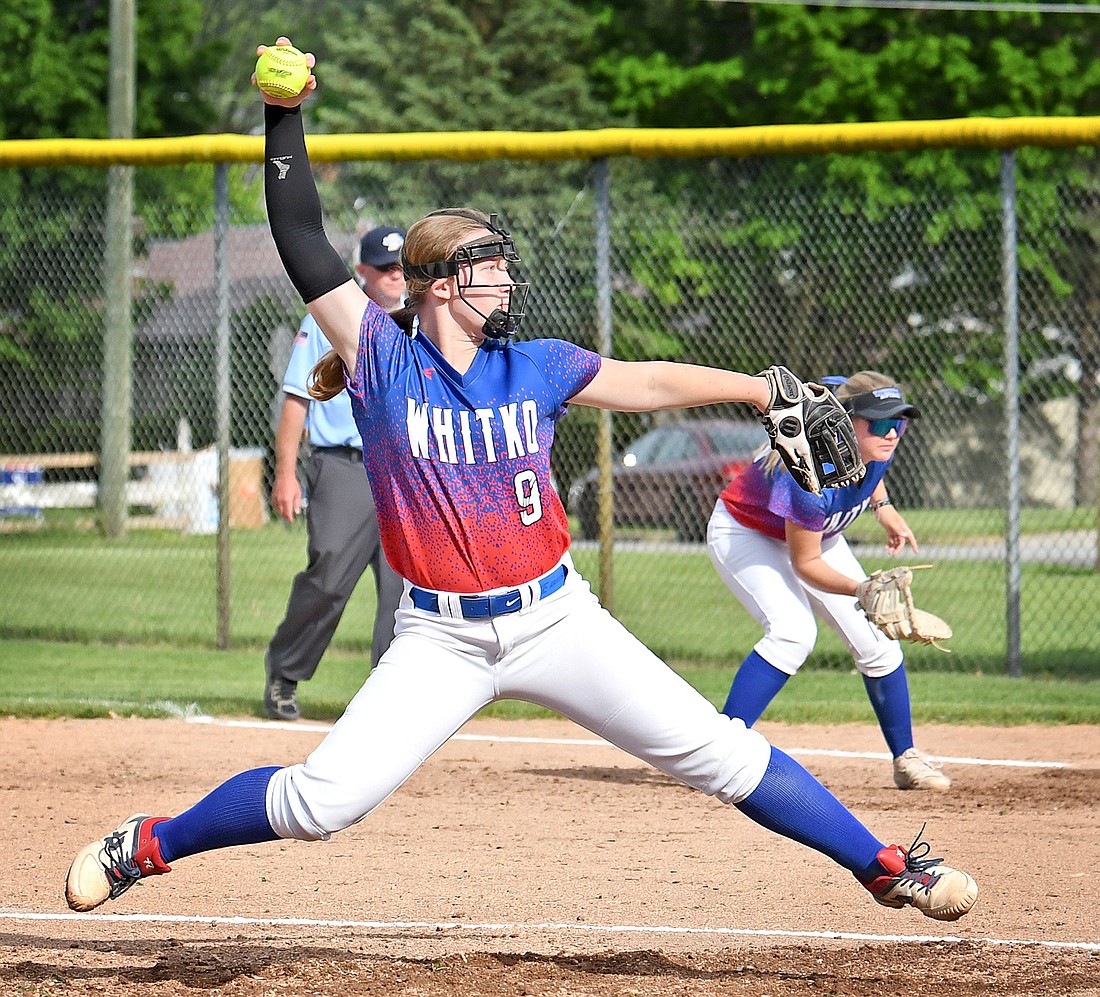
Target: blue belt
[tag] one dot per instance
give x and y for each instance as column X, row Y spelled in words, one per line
column 482, row 607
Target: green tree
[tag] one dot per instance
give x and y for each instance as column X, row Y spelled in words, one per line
column 442, row 65
column 238, row 27
column 472, row 65
column 671, row 63
column 55, row 73
column 734, row 64
column 55, row 78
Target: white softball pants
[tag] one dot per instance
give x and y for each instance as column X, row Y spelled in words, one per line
column 758, row 570
column 565, row 653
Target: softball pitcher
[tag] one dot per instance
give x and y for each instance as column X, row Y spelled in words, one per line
column 458, row 422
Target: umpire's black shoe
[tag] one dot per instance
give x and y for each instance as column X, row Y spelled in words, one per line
column 281, row 699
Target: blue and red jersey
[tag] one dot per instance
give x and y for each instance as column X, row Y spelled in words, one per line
column 459, row 464
column 764, row 501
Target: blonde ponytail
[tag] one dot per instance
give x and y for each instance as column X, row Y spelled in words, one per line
column 326, row 380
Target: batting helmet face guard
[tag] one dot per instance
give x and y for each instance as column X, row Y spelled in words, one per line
column 500, row 322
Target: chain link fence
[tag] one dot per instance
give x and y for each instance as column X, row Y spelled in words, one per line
column 737, row 263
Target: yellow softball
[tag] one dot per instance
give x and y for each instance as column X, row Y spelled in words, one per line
column 282, row 71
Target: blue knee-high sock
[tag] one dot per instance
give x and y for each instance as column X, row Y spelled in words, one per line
column 754, row 686
column 889, row 697
column 233, row 814
column 793, row 803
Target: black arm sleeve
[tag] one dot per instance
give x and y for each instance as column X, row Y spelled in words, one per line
column 294, row 209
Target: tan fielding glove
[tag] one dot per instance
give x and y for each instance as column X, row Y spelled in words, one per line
column 887, row 600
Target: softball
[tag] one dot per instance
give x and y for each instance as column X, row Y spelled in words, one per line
column 281, row 71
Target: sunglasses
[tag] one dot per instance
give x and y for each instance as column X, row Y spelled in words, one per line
column 388, row 268
column 882, row 427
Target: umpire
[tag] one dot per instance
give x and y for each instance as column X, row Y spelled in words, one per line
column 341, row 521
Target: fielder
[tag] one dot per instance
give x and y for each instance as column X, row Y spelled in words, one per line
column 458, row 422
column 781, row 551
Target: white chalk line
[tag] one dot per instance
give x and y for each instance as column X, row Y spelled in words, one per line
column 597, row 742
column 658, row 929
column 192, row 714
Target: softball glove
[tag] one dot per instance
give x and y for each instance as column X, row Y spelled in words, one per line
column 811, row 432
column 887, row 600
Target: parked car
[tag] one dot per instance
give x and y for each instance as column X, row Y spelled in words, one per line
column 671, row 476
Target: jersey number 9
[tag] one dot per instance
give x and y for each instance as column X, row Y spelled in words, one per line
column 526, row 484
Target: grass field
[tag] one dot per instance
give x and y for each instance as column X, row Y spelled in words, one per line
column 90, row 626
column 72, row 585
column 51, row 679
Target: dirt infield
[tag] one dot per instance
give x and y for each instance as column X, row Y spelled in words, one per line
column 511, row 864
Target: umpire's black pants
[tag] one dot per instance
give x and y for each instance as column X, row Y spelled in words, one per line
column 342, row 526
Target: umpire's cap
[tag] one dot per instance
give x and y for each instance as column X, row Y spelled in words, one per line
column 881, row 403
column 381, row 247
